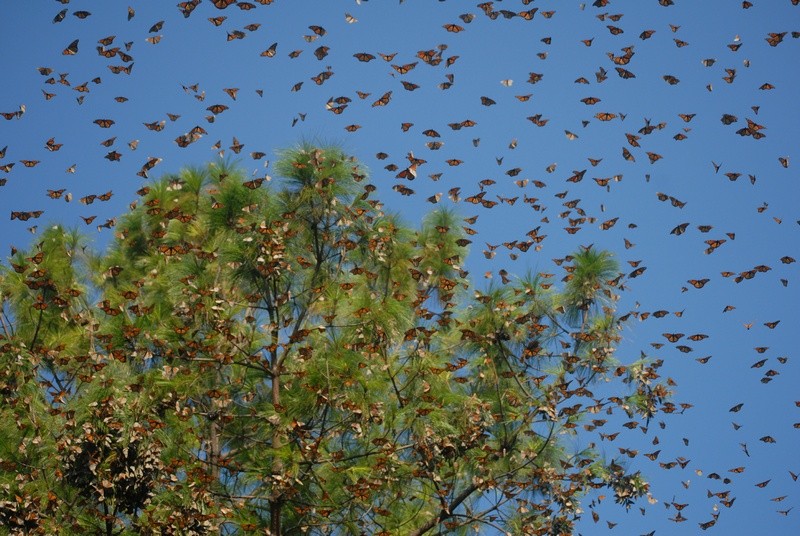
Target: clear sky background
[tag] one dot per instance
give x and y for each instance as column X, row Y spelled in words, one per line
column 756, row 213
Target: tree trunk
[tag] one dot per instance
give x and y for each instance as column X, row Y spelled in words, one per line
column 214, row 450
column 276, row 500
column 214, row 453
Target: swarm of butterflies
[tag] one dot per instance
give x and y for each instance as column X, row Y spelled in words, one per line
column 664, row 130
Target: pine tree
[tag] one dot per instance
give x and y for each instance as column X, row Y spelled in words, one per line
column 291, row 359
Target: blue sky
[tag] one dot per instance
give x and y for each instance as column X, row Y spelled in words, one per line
column 762, row 215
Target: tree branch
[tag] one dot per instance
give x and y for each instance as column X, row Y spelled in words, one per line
column 446, row 513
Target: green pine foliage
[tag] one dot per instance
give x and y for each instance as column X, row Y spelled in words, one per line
column 285, row 357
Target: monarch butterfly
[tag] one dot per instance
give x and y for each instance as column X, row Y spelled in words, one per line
column 384, row 100
column 216, row 21
column 605, row 116
column 83, row 88
column 29, row 163
column 197, row 131
column 475, row 199
column 154, row 40
column 405, row 126
column 270, row 52
column 624, row 73
column 577, row 176
column 626, row 154
column 653, row 157
column 110, row 53
column 676, row 202
column 403, row 69
column 774, row 39
column 637, row 272
column 352, row 128
column 673, row 337
column 363, row 56
column 537, row 120
column 37, row 259
column 321, row 77
column 222, row 4
column 387, row 57
column 410, row 173
column 608, row 224
column 169, row 251
column 679, row 229
column 731, row 75
column 60, row 16
column 680, row 43
column 614, row 30
column 535, row 77
column 217, row 108
column 454, row 28
column 454, row 162
column 255, row 183
column 72, row 49
column 620, row 60
column 409, row 86
column 55, row 194
column 734, row 46
column 428, row 56
column 155, row 28
column 671, row 80
column 698, row 283
column 113, row 156
column 728, row 119
column 335, row 109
